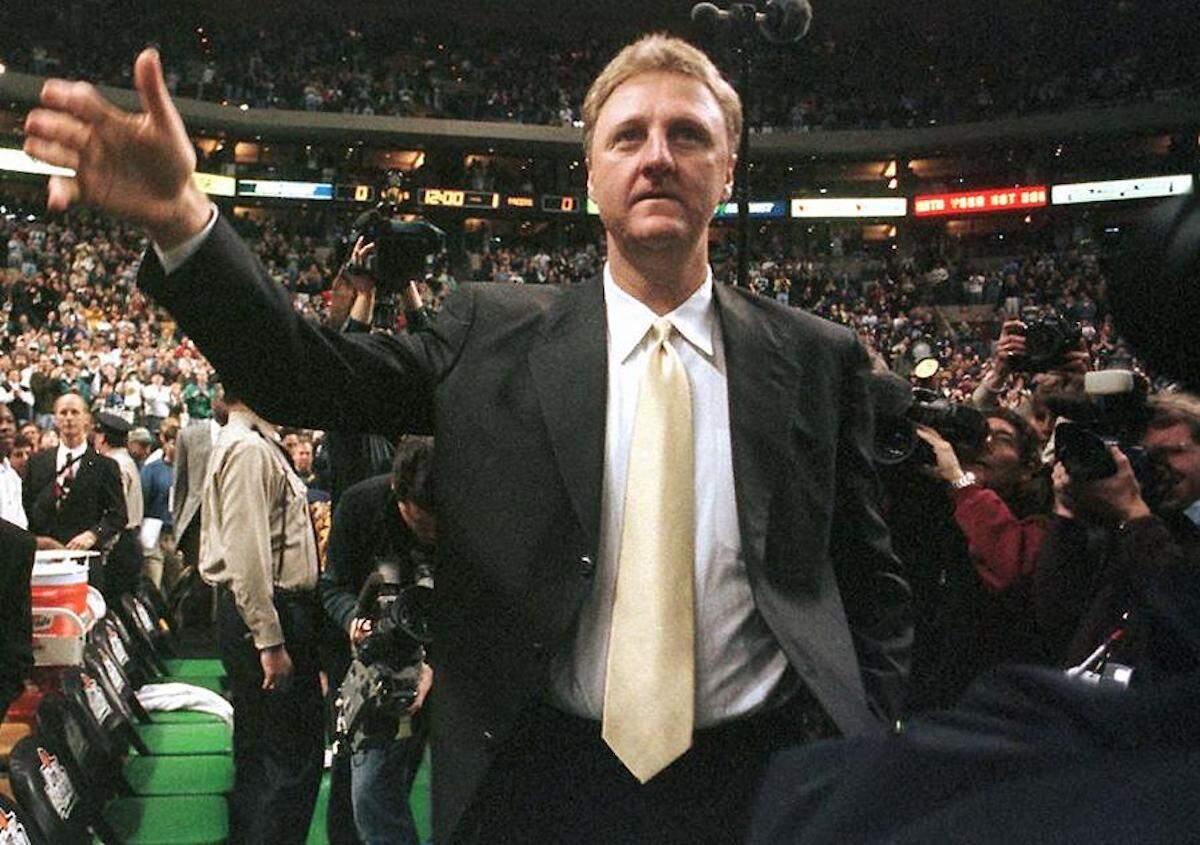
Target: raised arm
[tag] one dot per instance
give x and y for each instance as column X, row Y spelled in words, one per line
column 139, row 166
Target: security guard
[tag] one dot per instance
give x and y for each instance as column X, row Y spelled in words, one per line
column 258, row 549
column 125, row 560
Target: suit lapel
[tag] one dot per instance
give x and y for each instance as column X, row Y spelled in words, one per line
column 83, row 474
column 761, row 396
column 569, row 365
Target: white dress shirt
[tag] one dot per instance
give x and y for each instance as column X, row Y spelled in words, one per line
column 11, row 507
column 739, row 664
column 65, row 454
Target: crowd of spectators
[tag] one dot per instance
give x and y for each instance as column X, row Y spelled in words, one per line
column 839, row 78
column 909, row 309
column 75, row 320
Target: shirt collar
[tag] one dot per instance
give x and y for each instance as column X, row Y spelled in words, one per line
column 254, row 421
column 65, row 454
column 1193, row 512
column 629, row 319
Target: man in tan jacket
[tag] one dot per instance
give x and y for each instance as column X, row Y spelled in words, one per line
column 258, row 549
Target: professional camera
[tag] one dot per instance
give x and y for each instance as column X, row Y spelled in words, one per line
column 900, row 407
column 402, row 247
column 1113, row 411
column 1047, row 342
column 381, row 683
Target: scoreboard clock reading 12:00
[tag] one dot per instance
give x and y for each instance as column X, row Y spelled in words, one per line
column 455, row 198
column 976, row 202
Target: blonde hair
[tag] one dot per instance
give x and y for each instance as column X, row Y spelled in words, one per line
column 1168, row 409
column 661, row 52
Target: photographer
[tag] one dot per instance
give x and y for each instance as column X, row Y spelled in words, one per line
column 998, row 503
column 1107, row 541
column 1057, row 356
column 385, row 518
column 353, row 456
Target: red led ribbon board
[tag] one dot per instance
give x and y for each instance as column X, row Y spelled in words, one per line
column 976, row 202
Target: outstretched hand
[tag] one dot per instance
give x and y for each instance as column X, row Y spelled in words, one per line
column 136, row 166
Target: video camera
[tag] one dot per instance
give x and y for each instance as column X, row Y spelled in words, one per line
column 1111, row 412
column 381, row 683
column 900, row 407
column 402, row 247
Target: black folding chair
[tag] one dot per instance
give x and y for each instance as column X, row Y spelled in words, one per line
column 45, row 789
column 15, row 824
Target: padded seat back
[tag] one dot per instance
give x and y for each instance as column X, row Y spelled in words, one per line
column 13, row 827
column 86, row 696
column 102, row 668
column 90, row 768
column 143, row 631
column 54, row 807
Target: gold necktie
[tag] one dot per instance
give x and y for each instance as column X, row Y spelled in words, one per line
column 649, row 692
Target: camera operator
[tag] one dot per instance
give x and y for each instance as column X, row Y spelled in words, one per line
column 353, row 456
column 385, row 518
column 1107, row 541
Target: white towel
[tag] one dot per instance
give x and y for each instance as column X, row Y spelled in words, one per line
column 174, row 696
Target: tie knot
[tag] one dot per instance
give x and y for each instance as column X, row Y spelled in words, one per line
column 662, row 331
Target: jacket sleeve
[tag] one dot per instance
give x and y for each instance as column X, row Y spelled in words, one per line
column 113, row 514
column 877, row 599
column 244, row 492
column 345, row 572
column 179, row 481
column 293, row 371
column 1003, row 548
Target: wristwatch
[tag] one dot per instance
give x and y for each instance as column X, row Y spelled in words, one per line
column 964, row 480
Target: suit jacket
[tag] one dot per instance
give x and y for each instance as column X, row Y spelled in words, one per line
column 516, row 379
column 96, row 501
column 17, row 548
column 192, row 448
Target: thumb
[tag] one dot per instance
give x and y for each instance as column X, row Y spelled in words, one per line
column 152, row 88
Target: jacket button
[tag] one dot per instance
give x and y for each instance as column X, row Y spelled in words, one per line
column 488, row 736
column 538, row 646
column 587, row 566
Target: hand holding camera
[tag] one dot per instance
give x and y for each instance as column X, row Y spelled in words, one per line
column 1050, row 343
column 360, row 629
column 1114, row 499
column 946, row 464
column 1010, row 346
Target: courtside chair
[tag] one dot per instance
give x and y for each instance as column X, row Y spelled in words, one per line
column 142, row 775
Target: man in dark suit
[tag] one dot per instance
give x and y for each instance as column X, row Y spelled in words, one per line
column 590, row 439
column 73, row 496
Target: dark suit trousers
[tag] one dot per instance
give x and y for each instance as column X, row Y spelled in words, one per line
column 278, row 737
column 122, row 568
column 556, row 780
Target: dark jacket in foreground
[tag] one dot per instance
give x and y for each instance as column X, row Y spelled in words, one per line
column 516, row 378
column 17, row 548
